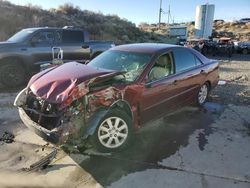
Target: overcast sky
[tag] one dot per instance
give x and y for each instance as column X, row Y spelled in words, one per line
column 148, row 10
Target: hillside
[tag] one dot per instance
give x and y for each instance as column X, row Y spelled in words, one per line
column 235, row 30
column 102, row 27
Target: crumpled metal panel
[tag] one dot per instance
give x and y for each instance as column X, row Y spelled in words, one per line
column 104, row 98
column 55, row 86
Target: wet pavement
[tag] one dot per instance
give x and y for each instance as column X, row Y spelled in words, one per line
column 154, row 143
column 191, row 148
column 194, row 147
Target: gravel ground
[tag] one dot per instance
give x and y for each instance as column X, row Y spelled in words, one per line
column 195, row 148
column 236, row 73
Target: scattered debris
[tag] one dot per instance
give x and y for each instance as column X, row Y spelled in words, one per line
column 222, row 82
column 7, row 137
column 43, row 163
column 240, row 78
column 95, row 152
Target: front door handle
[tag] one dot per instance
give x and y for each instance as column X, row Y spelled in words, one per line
column 203, row 71
column 175, row 82
column 85, row 46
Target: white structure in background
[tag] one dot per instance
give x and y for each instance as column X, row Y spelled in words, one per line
column 204, row 20
column 179, row 31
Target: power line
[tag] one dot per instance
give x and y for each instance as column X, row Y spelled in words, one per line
column 168, row 13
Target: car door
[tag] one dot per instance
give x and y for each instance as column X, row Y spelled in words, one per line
column 40, row 46
column 189, row 75
column 159, row 95
column 72, row 44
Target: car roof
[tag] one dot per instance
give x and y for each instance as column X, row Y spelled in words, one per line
column 144, row 47
column 48, row 28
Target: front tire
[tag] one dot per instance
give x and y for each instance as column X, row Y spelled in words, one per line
column 12, row 75
column 203, row 94
column 114, row 132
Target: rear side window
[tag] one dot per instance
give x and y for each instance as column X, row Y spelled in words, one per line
column 69, row 36
column 183, row 59
column 197, row 61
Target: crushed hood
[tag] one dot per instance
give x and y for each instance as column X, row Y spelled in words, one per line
column 57, row 83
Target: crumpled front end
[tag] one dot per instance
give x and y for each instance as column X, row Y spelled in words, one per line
column 76, row 118
column 48, row 120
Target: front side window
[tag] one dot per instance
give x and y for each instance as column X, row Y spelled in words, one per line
column 43, row 37
column 183, row 59
column 163, row 67
column 131, row 63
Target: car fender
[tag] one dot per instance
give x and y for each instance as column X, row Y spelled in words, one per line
column 94, row 122
column 96, row 118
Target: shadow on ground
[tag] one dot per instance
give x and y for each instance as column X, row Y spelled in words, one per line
column 153, row 143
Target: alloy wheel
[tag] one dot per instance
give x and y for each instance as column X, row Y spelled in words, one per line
column 202, row 96
column 113, row 132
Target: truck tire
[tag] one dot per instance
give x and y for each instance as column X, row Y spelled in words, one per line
column 245, row 51
column 12, row 75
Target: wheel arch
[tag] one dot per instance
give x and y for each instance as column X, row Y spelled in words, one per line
column 15, row 60
column 122, row 104
column 209, row 84
column 96, row 117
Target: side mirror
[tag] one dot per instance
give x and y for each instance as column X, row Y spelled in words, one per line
column 85, row 46
column 148, row 85
column 86, row 62
column 147, row 82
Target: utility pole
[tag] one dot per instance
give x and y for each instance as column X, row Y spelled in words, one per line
column 169, row 14
column 160, row 11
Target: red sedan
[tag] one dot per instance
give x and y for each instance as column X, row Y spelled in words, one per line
column 115, row 93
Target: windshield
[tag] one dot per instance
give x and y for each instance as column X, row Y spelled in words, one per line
column 21, row 35
column 129, row 62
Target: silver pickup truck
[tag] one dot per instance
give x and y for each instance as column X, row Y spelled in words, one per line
column 23, row 54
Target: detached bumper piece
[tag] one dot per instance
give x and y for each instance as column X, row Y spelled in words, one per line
column 42, row 163
column 38, row 129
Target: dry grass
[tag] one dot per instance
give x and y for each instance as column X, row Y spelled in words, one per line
column 104, row 27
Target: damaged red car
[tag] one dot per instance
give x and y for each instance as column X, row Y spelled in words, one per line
column 116, row 93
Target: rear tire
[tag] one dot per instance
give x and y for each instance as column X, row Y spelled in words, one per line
column 202, row 95
column 12, row 75
column 114, row 132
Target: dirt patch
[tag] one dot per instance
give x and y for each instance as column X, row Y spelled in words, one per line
column 236, row 73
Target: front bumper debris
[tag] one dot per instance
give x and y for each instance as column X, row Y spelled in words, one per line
column 39, row 130
column 46, row 134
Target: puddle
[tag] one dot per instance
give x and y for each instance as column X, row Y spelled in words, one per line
column 158, row 142
column 214, row 109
